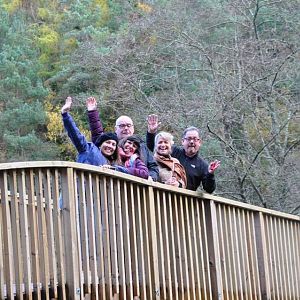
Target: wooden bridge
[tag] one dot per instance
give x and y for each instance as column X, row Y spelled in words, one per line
column 74, row 231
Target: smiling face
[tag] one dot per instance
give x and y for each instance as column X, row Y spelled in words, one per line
column 130, row 147
column 163, row 147
column 191, row 143
column 124, row 127
column 108, row 148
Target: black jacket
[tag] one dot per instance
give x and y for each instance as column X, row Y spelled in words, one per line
column 195, row 167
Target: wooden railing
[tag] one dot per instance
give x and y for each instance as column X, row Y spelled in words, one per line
column 74, row 231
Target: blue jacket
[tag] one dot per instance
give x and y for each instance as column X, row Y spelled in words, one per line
column 88, row 153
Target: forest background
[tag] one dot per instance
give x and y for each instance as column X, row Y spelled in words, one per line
column 229, row 67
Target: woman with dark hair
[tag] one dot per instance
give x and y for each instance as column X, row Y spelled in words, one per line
column 130, row 156
column 103, row 152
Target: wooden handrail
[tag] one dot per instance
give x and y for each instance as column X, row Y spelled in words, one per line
column 74, row 231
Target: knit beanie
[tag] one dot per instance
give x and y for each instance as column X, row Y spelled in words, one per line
column 105, row 137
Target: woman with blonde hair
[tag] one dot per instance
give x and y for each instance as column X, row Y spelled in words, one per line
column 170, row 170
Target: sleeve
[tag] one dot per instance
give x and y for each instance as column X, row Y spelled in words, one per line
column 77, row 138
column 95, row 123
column 150, row 162
column 150, row 139
column 208, row 181
column 139, row 169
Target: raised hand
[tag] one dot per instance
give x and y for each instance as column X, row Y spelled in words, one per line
column 213, row 166
column 91, row 104
column 153, row 123
column 67, row 105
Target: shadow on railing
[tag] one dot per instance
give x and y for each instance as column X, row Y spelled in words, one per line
column 74, row 231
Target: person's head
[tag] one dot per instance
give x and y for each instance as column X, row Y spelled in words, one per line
column 107, row 143
column 131, row 145
column 124, row 127
column 191, row 141
column 163, row 143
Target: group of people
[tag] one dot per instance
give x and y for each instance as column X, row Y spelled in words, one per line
column 126, row 152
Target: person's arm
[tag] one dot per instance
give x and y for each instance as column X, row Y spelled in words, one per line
column 77, row 138
column 209, row 183
column 139, row 169
column 150, row 162
column 153, row 124
column 95, row 123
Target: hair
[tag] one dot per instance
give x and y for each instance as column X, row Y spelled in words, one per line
column 166, row 136
column 136, row 140
column 192, row 128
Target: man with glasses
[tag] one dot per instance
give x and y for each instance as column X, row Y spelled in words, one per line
column 124, row 128
column 197, row 170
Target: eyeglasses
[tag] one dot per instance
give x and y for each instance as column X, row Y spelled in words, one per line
column 190, row 139
column 125, row 125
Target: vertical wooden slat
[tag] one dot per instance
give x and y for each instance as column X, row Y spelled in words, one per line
column 16, row 235
column 207, row 272
column 43, row 240
column 262, row 255
column 288, row 266
column 120, row 240
column 50, row 234
column 113, row 237
column 160, row 245
column 166, row 246
column 184, row 249
column 58, row 232
column 223, row 256
column 70, row 235
column 153, row 243
column 213, row 248
column 25, row 241
column 171, row 233
column 178, row 246
column 205, row 290
column 237, row 256
column 91, row 234
column 148, row 265
column 295, row 234
column 3, row 292
column 99, row 237
column 84, row 237
column 140, row 243
column 33, row 233
column 277, row 255
column 106, row 238
column 282, row 255
column 190, row 258
column 7, row 237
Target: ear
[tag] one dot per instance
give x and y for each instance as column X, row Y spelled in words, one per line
column 182, row 141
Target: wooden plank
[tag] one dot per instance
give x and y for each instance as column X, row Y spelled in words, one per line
column 43, row 239
column 213, row 249
column 16, row 235
column 185, row 266
column 262, row 256
column 92, row 237
column 84, row 237
column 171, row 233
column 205, row 233
column 148, row 265
column 153, row 244
column 50, row 234
column 160, row 246
column 70, row 235
column 120, row 240
column 140, row 243
column 223, row 256
column 99, row 237
column 9, row 266
column 113, row 237
column 25, row 241
column 106, row 238
column 3, row 292
column 33, row 229
column 59, row 234
column 190, row 257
